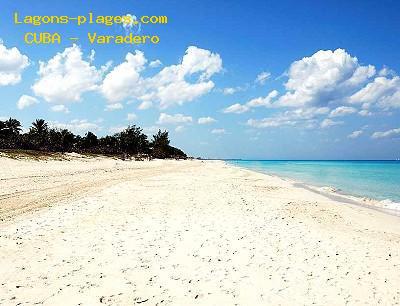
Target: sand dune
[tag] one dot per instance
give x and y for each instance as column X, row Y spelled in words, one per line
column 102, row 231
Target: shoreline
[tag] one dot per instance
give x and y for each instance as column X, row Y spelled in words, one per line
column 336, row 194
column 327, row 191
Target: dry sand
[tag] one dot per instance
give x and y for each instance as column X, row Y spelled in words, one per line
column 102, row 231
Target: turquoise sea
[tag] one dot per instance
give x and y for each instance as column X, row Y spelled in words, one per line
column 374, row 179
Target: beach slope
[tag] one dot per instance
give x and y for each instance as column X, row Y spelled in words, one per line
column 102, row 231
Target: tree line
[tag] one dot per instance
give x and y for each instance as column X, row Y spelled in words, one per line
column 129, row 142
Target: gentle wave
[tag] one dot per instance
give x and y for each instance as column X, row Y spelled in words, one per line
column 371, row 181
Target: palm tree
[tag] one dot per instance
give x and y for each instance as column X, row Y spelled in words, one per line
column 39, row 127
column 39, row 131
column 130, row 141
column 2, row 127
column 13, row 125
column 9, row 133
column 3, row 134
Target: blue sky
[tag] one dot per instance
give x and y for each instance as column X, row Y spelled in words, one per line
column 234, row 79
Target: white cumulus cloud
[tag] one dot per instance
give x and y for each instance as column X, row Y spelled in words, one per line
column 60, row 108
column 12, row 63
column 329, row 78
column 124, row 80
column 168, row 87
column 236, row 108
column 263, row 101
column 232, row 90
column 78, row 126
column 386, row 134
column 326, row 76
column 155, row 64
column 206, row 120
column 25, row 101
column 113, row 107
column 383, row 92
column 66, row 76
column 326, row 123
column 173, row 119
column 180, row 92
column 365, row 113
column 229, row 90
column 218, row 131
column 266, row 101
column 342, row 111
column 179, row 128
column 302, row 116
column 131, row 116
column 145, row 105
column 262, row 77
column 355, row 134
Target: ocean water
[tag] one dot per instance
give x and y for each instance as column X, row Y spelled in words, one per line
column 379, row 180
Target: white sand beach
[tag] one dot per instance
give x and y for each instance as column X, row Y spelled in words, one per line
column 110, row 232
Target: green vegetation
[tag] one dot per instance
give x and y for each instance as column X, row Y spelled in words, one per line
column 42, row 138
